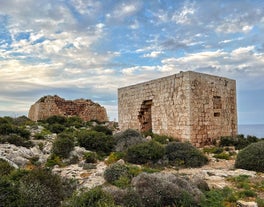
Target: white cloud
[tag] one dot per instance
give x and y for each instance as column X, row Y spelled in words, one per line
column 184, row 16
column 153, row 54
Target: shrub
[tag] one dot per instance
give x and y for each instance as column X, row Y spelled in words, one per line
column 56, row 119
column 6, row 128
column 103, row 129
column 90, row 157
column 163, row 189
column 56, row 128
column 63, row 145
column 5, row 168
column 213, row 150
column 42, row 188
column 54, row 160
column 145, row 152
column 239, row 141
column 223, row 155
column 218, row 197
column 8, row 193
column 74, row 121
column 114, row 156
column 16, row 140
column 126, row 139
column 95, row 141
column 251, row 157
column 95, row 197
column 185, row 154
column 163, row 139
column 114, row 172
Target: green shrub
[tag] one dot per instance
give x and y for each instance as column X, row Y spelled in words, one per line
column 163, row 139
column 63, row 145
column 8, row 193
column 56, row 128
column 218, row 197
column 114, row 156
column 90, row 157
column 5, row 168
column 53, row 160
column 95, row 141
column 124, row 140
column 213, row 150
column 103, row 129
column 6, row 129
column 185, row 154
column 74, row 121
column 56, row 120
column 114, row 172
column 145, row 152
column 223, row 155
column 251, row 157
column 42, row 188
column 239, row 141
column 95, row 197
column 16, row 140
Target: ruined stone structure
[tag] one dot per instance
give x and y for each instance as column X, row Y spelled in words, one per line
column 54, row 105
column 189, row 106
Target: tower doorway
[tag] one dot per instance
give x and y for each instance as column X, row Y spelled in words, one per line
column 144, row 116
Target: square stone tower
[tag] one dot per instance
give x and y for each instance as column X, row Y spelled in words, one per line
column 188, row 106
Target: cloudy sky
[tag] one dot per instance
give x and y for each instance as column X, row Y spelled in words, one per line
column 88, row 48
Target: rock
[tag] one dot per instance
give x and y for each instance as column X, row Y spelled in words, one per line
column 148, row 138
column 54, row 105
column 121, row 162
column 241, row 203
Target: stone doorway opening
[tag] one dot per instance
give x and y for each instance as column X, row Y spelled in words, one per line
column 144, row 116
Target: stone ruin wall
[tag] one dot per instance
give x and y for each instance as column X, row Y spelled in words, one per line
column 54, row 105
column 188, row 106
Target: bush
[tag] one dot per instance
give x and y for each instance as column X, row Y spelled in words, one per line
column 16, row 140
column 5, row 168
column 42, row 188
column 223, row 155
column 164, row 189
column 239, row 141
column 185, row 154
column 74, row 121
column 90, row 157
column 124, row 140
column 114, row 156
column 56, row 120
column 145, row 152
column 103, row 129
column 63, row 145
column 114, row 172
column 163, row 139
column 251, row 157
column 95, row 197
column 8, row 193
column 95, row 141
column 56, row 128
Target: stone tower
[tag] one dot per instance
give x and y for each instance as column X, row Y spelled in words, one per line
column 54, row 105
column 189, row 106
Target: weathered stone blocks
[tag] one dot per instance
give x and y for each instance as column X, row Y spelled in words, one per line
column 54, row 105
column 189, row 106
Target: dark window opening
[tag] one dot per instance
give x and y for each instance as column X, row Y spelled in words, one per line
column 216, row 114
column 144, row 116
column 217, row 102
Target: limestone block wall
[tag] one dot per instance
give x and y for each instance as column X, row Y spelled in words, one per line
column 189, row 106
column 54, row 105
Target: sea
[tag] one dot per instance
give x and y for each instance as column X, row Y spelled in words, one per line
column 251, row 129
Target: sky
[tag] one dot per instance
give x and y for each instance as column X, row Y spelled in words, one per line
column 88, row 49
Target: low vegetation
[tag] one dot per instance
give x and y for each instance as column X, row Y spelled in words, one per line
column 135, row 181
